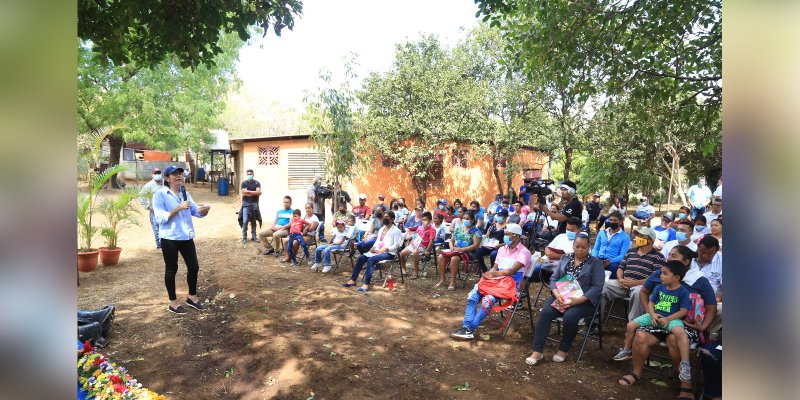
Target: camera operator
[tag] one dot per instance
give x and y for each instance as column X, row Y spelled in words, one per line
column 318, row 201
column 572, row 207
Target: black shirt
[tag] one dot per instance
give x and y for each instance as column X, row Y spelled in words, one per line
column 343, row 198
column 593, row 208
column 250, row 185
column 573, row 208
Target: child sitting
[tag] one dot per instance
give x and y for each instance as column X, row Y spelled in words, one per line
column 667, row 307
column 297, row 227
column 421, row 243
column 338, row 242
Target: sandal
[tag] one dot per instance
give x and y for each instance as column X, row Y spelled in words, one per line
column 533, row 361
column 438, row 284
column 628, row 383
column 683, row 394
column 559, row 359
column 415, row 276
column 345, row 284
column 451, row 288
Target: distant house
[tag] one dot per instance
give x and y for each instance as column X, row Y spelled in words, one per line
column 286, row 165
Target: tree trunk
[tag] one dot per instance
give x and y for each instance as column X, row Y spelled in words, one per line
column 567, row 162
column 496, row 172
column 115, row 144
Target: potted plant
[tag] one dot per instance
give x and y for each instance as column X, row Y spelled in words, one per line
column 87, row 255
column 119, row 212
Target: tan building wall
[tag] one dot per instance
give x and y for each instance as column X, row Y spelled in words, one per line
column 476, row 181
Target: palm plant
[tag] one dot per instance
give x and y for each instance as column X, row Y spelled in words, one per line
column 119, row 213
column 88, row 155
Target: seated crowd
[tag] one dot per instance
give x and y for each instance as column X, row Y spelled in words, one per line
column 666, row 271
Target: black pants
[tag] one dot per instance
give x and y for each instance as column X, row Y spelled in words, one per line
column 321, row 217
column 170, row 250
column 571, row 318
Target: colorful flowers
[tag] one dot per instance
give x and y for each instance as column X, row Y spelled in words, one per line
column 103, row 380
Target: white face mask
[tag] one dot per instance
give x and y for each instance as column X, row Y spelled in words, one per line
column 157, row 177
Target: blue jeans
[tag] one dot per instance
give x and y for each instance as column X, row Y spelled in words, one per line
column 364, row 245
column 697, row 211
column 154, row 224
column 371, row 263
column 327, row 250
column 321, row 217
column 246, row 221
column 299, row 238
column 474, row 314
column 613, row 268
column 537, row 271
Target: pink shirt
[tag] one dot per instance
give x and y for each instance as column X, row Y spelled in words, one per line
column 506, row 257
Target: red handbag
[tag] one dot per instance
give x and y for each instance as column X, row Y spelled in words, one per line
column 502, row 288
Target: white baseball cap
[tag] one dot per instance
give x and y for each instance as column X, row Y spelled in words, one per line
column 362, row 196
column 514, row 228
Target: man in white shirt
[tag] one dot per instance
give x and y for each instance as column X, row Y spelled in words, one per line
column 684, row 233
column 709, row 263
column 560, row 245
column 716, row 210
column 718, row 191
column 644, row 213
column 699, row 195
column 146, row 200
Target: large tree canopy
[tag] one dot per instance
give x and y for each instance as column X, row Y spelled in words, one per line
column 146, row 32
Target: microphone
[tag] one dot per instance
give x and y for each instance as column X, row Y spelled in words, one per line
column 183, row 193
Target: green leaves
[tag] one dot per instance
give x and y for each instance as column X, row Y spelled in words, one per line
column 149, row 32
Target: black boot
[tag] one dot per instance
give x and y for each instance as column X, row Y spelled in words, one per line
column 104, row 316
column 89, row 330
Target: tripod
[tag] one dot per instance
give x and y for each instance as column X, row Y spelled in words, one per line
column 535, row 242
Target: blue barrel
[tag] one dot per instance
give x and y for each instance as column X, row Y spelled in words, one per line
column 222, row 187
column 201, row 174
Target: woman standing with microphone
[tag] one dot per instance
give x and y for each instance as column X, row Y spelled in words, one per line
column 173, row 209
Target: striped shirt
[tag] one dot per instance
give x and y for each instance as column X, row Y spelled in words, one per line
column 637, row 267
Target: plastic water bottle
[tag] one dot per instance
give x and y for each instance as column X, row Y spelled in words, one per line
column 390, row 282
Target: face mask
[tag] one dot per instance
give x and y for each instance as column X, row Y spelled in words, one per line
column 507, row 240
column 681, row 215
column 613, row 225
column 249, row 177
column 699, row 228
column 441, row 207
column 499, row 219
column 641, row 242
column 467, row 223
column 571, row 235
column 680, row 236
column 386, row 221
column 157, row 177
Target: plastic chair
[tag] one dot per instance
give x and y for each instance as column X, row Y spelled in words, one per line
column 523, row 294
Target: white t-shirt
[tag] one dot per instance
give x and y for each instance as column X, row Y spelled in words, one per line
column 672, row 244
column 585, row 216
column 712, row 271
column 710, row 216
column 718, row 192
column 339, row 237
column 699, row 196
column 561, row 242
column 313, row 218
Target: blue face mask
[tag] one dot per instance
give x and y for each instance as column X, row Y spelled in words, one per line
column 681, row 215
column 680, row 236
column 467, row 223
column 157, row 177
column 507, row 240
column 249, row 177
column 499, row 219
column 699, row 228
column 571, row 235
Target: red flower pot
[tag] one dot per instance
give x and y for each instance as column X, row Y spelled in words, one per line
column 87, row 262
column 109, row 257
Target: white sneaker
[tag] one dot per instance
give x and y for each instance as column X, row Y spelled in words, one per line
column 326, row 269
column 314, row 267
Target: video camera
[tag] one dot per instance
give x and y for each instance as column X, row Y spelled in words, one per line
column 540, row 187
column 324, row 192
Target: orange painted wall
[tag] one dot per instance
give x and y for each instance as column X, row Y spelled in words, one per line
column 474, row 182
column 155, row 155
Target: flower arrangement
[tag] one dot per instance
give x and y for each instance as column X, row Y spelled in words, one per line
column 104, row 380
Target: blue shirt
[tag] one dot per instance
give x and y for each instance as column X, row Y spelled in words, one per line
column 412, row 222
column 667, row 302
column 614, row 250
column 179, row 227
column 701, row 286
column 665, row 234
column 284, row 216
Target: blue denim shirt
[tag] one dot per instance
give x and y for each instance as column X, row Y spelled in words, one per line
column 179, row 227
column 615, row 249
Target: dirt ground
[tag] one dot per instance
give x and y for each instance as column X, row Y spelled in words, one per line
column 274, row 331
